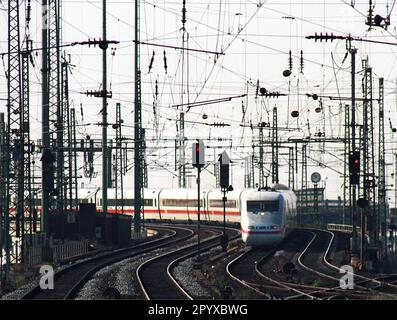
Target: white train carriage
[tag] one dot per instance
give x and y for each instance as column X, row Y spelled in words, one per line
column 180, row 204
column 214, row 207
column 265, row 216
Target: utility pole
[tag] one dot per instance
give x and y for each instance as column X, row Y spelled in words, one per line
column 54, row 89
column 346, row 184
column 253, row 166
column 304, row 181
column 119, row 167
column 275, row 163
column 73, row 142
column 144, row 163
column 382, row 199
column 104, row 111
column 291, row 169
column 247, row 174
column 14, row 148
column 3, row 197
column 138, row 176
column 181, row 149
column 47, row 157
column 353, row 186
column 181, row 142
column 261, row 156
column 368, row 153
column 67, row 138
column 25, row 184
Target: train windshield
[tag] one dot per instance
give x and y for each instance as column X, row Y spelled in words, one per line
column 262, row 206
column 266, row 211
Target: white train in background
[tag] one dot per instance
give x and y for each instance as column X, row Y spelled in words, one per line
column 265, row 216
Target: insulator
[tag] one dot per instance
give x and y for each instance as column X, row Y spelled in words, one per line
column 151, row 62
column 165, row 62
column 28, row 12
column 184, row 14
column 290, row 63
column 301, row 61
column 81, row 111
column 286, row 73
column 263, row 91
column 156, row 89
column 257, row 89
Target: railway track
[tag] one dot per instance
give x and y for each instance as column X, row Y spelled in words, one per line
column 155, row 275
column 246, row 270
column 315, row 259
column 69, row 281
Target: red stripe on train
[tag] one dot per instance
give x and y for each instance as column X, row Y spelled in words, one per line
column 173, row 211
column 262, row 232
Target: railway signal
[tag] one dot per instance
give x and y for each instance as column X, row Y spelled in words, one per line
column 224, row 163
column 198, row 154
column 354, row 167
column 198, row 161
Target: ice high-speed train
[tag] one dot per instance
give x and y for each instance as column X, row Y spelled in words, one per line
column 265, row 216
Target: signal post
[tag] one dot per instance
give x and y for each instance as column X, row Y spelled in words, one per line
column 198, row 161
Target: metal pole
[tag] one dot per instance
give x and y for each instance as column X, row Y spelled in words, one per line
column 224, row 211
column 104, row 113
column 74, row 142
column 353, row 52
column 198, row 213
column 137, row 131
column 362, row 246
column 45, row 118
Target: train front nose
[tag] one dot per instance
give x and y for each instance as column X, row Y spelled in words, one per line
column 262, row 238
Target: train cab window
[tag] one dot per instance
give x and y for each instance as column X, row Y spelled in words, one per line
column 262, row 206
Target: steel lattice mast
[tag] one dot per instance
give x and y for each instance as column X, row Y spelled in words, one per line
column 382, row 200
column 291, row 175
column 26, row 187
column 261, row 157
column 55, row 106
column 73, row 142
column 368, row 151
column 105, row 168
column 17, row 148
column 138, row 174
column 66, row 140
column 13, row 214
column 275, row 163
column 119, row 167
column 3, row 185
column 346, row 178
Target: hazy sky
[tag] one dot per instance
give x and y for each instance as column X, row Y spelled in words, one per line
column 255, row 38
